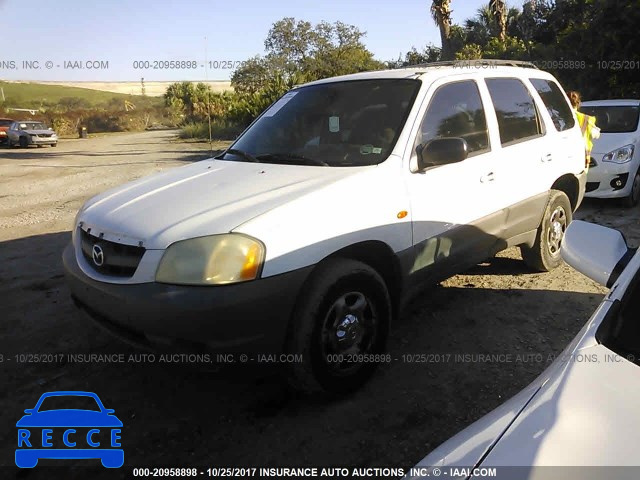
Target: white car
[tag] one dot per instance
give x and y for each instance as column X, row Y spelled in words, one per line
column 614, row 169
column 306, row 234
column 582, row 410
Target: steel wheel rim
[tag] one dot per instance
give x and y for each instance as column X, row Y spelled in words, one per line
column 555, row 232
column 348, row 330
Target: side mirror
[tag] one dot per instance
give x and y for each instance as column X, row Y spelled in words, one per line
column 109, row 411
column 598, row 252
column 29, row 411
column 441, row 151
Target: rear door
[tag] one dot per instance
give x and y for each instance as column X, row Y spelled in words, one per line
column 562, row 128
column 455, row 209
column 524, row 156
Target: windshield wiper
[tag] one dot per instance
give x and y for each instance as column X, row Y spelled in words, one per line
column 291, row 157
column 241, row 153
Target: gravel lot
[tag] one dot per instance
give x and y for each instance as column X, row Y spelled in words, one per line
column 176, row 415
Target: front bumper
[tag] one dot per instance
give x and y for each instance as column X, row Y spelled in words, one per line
column 602, row 179
column 43, row 141
column 250, row 317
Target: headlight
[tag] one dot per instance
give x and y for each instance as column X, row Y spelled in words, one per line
column 213, row 260
column 621, row 155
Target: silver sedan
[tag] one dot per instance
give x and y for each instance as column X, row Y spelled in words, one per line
column 27, row 133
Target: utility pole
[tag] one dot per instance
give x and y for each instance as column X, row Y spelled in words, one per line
column 206, row 77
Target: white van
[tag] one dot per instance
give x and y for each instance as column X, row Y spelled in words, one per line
column 307, row 233
column 614, row 169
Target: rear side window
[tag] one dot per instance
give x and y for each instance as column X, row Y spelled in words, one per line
column 556, row 104
column 518, row 118
column 456, row 110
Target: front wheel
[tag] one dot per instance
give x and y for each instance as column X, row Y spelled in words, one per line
column 339, row 327
column 23, row 142
column 633, row 198
column 544, row 256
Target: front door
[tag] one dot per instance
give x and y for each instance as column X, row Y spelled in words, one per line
column 456, row 214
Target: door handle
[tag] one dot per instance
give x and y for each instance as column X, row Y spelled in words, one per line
column 489, row 177
column 546, row 158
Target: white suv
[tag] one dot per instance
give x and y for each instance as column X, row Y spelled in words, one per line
column 305, row 236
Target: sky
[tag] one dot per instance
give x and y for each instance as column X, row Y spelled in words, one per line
column 105, row 38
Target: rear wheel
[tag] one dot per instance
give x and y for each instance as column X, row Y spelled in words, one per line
column 544, row 256
column 23, row 142
column 340, row 327
column 633, row 198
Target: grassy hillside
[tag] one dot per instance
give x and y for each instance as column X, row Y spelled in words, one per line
column 34, row 95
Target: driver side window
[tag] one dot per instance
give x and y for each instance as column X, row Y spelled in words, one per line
column 456, row 110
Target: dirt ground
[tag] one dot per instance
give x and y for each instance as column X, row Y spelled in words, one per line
column 176, row 415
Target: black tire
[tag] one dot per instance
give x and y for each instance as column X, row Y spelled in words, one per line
column 54, row 144
column 344, row 301
column 633, row 198
column 544, row 256
column 23, row 142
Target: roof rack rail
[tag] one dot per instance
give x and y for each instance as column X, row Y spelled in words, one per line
column 476, row 61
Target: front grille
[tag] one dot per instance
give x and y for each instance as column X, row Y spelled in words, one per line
column 591, row 186
column 118, row 260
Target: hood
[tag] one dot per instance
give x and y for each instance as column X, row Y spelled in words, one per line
column 69, row 418
column 609, row 142
column 587, row 414
column 204, row 198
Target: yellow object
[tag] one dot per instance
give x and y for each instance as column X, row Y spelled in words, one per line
column 252, row 263
column 587, row 125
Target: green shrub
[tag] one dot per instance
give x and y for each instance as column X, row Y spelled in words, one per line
column 220, row 130
column 197, row 130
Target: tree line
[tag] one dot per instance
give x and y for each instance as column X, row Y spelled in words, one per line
column 589, row 45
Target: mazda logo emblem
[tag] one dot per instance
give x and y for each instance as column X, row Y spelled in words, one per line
column 98, row 255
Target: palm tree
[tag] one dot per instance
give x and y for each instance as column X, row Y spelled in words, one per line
column 482, row 27
column 441, row 14
column 485, row 25
column 499, row 10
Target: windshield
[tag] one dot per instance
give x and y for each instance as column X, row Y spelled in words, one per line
column 69, row 402
column 337, row 124
column 614, row 119
column 33, row 126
